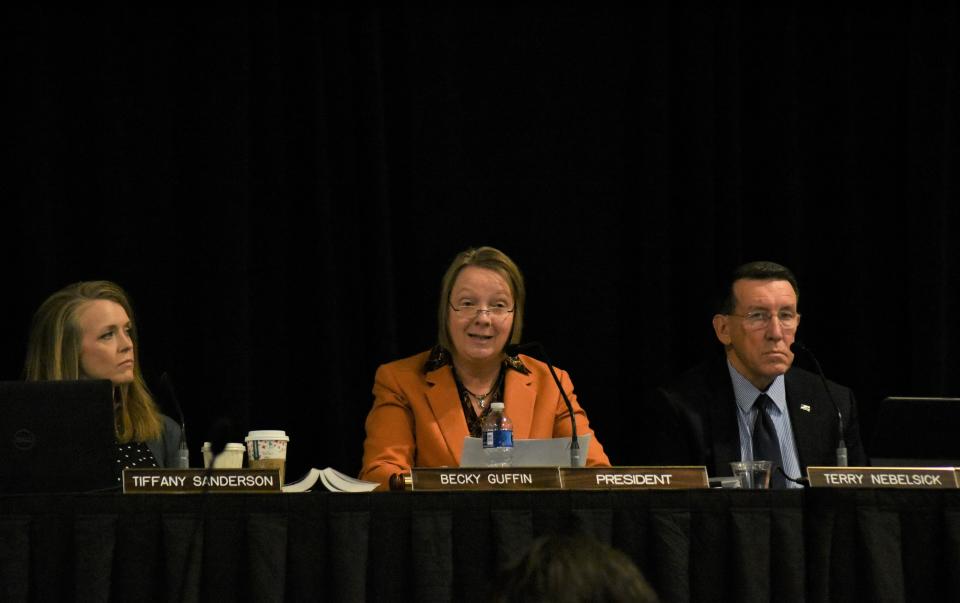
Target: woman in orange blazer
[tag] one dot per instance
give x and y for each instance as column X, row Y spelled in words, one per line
column 425, row 405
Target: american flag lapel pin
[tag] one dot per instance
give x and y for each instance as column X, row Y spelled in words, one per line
column 805, row 407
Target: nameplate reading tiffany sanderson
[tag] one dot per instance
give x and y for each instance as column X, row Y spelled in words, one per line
column 198, row 481
column 930, row 478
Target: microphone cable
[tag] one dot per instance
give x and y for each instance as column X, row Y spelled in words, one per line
column 797, row 480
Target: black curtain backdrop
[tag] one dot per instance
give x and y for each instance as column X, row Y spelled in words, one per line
column 280, row 191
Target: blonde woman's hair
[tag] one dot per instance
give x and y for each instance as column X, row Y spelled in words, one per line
column 491, row 259
column 53, row 354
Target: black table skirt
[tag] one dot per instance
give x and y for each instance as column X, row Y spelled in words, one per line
column 823, row 545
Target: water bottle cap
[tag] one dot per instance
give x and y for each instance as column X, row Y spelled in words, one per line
column 496, row 406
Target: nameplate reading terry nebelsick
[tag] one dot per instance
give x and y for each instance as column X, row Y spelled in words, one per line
column 634, row 478
column 929, row 478
column 199, row 481
column 516, row 478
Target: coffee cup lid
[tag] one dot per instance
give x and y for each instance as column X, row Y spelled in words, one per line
column 228, row 446
column 267, row 434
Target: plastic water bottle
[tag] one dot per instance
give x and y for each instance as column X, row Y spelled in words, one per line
column 183, row 456
column 497, row 437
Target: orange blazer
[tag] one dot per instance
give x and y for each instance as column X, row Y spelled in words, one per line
column 417, row 419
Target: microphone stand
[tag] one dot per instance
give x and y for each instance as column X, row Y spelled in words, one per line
column 841, row 444
column 183, row 452
column 575, row 453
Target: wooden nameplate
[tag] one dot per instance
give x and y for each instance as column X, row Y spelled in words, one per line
column 553, row 478
column 200, row 481
column 923, row 478
column 635, row 478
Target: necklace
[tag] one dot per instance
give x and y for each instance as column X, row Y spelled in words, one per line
column 481, row 398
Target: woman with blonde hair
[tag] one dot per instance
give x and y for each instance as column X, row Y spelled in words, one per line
column 86, row 331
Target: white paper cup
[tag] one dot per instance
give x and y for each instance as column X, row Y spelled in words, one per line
column 230, row 458
column 267, row 449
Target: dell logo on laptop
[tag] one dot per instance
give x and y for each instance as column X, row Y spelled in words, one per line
column 24, row 439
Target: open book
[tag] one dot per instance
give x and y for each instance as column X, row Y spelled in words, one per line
column 332, row 480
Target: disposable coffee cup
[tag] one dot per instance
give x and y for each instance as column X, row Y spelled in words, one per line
column 230, row 458
column 267, row 449
column 753, row 475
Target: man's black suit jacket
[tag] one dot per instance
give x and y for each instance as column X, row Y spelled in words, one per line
column 695, row 420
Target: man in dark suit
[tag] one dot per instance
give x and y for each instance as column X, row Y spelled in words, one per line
column 751, row 403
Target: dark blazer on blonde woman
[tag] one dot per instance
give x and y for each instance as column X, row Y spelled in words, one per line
column 166, row 448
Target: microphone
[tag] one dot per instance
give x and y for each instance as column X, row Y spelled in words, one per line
column 183, row 452
column 219, row 435
column 841, row 445
column 512, row 350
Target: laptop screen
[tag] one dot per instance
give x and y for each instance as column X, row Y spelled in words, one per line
column 916, row 431
column 57, row 436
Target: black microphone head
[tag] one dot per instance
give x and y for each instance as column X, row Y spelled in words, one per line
column 515, row 348
column 220, row 434
column 796, row 346
column 167, row 388
column 171, row 394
